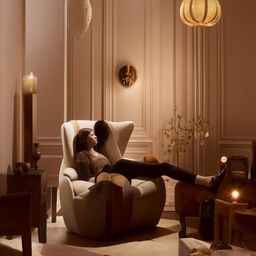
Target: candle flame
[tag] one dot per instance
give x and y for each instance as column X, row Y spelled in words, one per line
column 235, row 194
column 29, row 83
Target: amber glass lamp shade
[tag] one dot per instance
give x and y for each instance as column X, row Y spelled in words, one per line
column 200, row 12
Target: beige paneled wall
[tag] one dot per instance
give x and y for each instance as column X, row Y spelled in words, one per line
column 130, row 46
column 234, row 45
column 193, row 70
column 207, row 72
column 45, row 56
column 239, row 55
column 85, row 70
column 168, row 58
column 11, row 33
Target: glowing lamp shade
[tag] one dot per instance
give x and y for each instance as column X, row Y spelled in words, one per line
column 200, row 12
column 79, row 17
column 223, row 159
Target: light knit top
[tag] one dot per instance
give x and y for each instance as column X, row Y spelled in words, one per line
column 89, row 165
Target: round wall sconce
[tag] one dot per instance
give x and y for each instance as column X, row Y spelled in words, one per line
column 127, row 75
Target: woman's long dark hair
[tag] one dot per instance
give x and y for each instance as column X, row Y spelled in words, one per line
column 102, row 131
column 79, row 141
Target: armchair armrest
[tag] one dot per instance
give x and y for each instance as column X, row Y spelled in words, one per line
column 113, row 205
column 71, row 173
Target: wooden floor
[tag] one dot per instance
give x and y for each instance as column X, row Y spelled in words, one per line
column 161, row 241
column 172, row 215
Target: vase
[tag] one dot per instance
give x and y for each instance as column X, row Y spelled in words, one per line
column 18, row 168
column 36, row 155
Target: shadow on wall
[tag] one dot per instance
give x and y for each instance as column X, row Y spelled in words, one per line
column 3, row 183
column 5, row 164
column 15, row 133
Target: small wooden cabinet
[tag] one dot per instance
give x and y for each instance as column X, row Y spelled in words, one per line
column 34, row 182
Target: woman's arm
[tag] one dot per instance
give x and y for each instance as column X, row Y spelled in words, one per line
column 83, row 166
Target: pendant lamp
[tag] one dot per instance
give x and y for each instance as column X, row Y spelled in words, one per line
column 200, row 12
column 79, row 17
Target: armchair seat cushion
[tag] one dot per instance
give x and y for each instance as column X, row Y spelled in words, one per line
column 143, row 188
column 140, row 188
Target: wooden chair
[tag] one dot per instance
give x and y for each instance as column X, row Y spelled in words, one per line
column 15, row 218
column 224, row 219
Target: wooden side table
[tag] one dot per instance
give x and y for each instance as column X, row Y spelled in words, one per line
column 53, row 184
column 224, row 219
column 34, row 182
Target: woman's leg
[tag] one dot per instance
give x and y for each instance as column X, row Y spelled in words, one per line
column 132, row 169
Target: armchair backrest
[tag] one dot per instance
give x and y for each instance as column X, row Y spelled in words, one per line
column 121, row 133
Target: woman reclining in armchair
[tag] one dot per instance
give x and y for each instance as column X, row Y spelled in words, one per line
column 90, row 161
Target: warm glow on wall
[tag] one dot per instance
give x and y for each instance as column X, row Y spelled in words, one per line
column 200, row 12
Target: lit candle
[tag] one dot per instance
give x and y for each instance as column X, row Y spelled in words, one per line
column 29, row 83
column 235, row 195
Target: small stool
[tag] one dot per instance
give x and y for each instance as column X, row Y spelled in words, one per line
column 187, row 244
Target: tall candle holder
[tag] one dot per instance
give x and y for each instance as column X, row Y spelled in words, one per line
column 29, row 89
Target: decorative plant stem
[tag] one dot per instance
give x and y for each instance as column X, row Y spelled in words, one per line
column 180, row 133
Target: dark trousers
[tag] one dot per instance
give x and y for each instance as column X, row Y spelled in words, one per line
column 133, row 169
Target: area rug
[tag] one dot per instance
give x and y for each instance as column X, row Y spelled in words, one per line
column 159, row 241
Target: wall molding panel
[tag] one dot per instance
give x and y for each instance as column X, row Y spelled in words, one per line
column 114, row 59
column 108, row 32
column 169, row 70
column 84, row 64
column 235, row 132
column 137, row 150
column 45, row 54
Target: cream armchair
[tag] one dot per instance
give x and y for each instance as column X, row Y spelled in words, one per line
column 103, row 209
